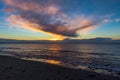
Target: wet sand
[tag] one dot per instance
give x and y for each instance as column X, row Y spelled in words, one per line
column 17, row 69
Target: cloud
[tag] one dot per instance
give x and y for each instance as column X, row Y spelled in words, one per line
column 117, row 20
column 111, row 20
column 46, row 16
column 106, row 20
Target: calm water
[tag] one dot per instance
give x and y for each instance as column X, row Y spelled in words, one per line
column 101, row 58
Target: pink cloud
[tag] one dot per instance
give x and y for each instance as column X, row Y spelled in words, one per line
column 48, row 18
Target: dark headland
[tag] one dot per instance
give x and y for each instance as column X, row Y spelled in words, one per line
column 65, row 41
column 17, row 69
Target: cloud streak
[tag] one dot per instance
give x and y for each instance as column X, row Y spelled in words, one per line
column 46, row 16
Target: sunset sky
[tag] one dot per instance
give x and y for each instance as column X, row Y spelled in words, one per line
column 59, row 19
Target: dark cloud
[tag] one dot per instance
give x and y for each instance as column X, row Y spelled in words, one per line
column 45, row 15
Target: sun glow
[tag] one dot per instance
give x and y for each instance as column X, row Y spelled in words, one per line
column 54, row 39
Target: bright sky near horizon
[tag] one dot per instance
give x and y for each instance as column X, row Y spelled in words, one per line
column 59, row 19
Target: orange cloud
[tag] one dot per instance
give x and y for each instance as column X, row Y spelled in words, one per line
column 15, row 20
column 47, row 18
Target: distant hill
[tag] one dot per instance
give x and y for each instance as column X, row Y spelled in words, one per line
column 69, row 41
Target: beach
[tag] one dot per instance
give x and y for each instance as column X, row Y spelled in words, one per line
column 17, row 69
column 59, row 39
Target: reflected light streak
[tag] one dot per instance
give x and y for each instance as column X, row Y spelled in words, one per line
column 55, row 47
column 53, row 62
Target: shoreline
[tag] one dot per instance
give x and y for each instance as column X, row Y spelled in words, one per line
column 67, row 65
column 17, row 69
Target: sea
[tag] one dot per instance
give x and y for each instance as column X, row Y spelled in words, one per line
column 99, row 58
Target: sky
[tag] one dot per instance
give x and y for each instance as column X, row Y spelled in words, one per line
column 59, row 19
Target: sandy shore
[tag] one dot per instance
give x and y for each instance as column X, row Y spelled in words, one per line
column 16, row 69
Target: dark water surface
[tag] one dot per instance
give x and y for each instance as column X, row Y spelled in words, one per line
column 101, row 58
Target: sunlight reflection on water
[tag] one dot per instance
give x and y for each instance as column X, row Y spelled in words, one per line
column 83, row 56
